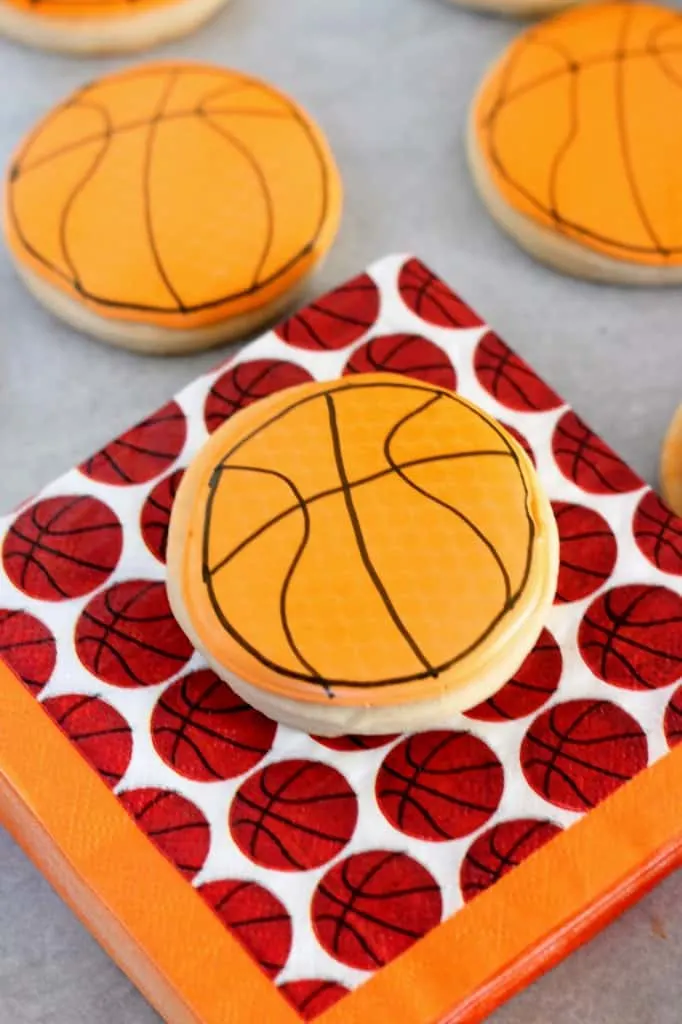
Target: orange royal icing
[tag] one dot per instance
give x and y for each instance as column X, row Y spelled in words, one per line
column 174, row 194
column 87, row 10
column 580, row 129
column 357, row 536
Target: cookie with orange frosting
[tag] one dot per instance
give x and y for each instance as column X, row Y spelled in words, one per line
column 671, row 464
column 364, row 555
column 172, row 206
column 575, row 142
column 101, row 26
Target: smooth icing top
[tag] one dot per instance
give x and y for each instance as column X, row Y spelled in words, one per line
column 86, row 10
column 371, row 534
column 580, row 128
column 174, row 194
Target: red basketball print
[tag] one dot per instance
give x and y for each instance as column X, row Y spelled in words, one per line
column 62, row 547
column 293, row 815
column 143, row 452
column 156, row 512
column 587, row 551
column 373, row 906
column 523, row 441
column 205, row 732
column 256, row 917
column 500, row 849
column 672, row 722
column 658, row 533
column 531, row 687
column 311, row 997
column 173, row 824
column 245, row 383
column 509, row 379
column 100, row 733
column 439, row 785
column 127, row 635
column 335, row 320
column 351, row 743
column 27, row 647
column 632, row 637
column 408, row 354
column 577, row 753
column 584, row 459
column 433, row 301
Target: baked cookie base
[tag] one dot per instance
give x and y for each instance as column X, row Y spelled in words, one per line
column 333, row 719
column 114, row 34
column 550, row 247
column 149, row 338
column 517, row 8
column 671, row 464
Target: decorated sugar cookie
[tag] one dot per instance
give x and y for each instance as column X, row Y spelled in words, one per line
column 671, row 464
column 575, row 142
column 172, row 206
column 91, row 26
column 362, row 556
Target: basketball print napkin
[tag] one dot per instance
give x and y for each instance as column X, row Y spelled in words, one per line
column 336, row 878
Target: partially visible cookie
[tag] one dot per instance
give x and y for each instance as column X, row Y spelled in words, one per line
column 671, row 464
column 98, row 26
column 516, row 8
column 575, row 142
column 172, row 206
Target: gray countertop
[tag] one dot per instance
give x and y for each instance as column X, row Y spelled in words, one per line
column 390, row 81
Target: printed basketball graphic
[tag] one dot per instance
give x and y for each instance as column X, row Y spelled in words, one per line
column 256, row 917
column 353, row 743
column 509, row 379
column 632, row 637
column 531, row 687
column 439, row 785
column 587, row 551
column 500, row 849
column 305, row 494
column 658, row 533
column 522, row 440
column 62, row 547
column 100, row 733
column 431, row 299
column 293, row 815
column 584, row 459
column 174, row 194
column 143, row 452
column 565, row 130
column 127, row 635
column 373, row 906
column 312, row 997
column 88, row 10
column 173, row 824
column 246, row 383
column 156, row 512
column 408, row 354
column 672, row 722
column 205, row 732
column 577, row 753
column 336, row 320
column 27, row 647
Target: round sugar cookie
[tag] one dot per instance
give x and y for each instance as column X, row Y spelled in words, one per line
column 101, row 26
column 671, row 464
column 172, row 206
column 575, row 142
column 362, row 556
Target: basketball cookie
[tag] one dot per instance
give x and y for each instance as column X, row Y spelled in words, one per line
column 171, row 207
column 574, row 143
column 671, row 464
column 101, row 26
column 362, row 556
